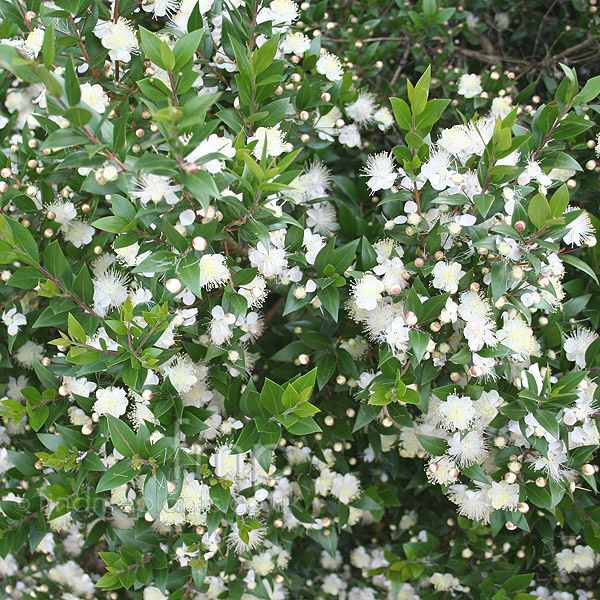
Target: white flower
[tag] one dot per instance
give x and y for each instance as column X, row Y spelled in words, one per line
column 362, row 110
column 79, row 233
column 313, row 243
column 322, row 218
column 254, row 540
column 156, row 188
column 579, row 229
column 212, row 145
column 153, row 593
column 367, row 292
column 295, row 43
column 473, row 504
column 110, row 291
column 27, row 353
column 118, row 38
column 345, row 488
column 270, row 263
column 219, row 330
column 446, row 276
column 504, row 495
column 384, row 118
column 274, row 139
column 64, row 213
column 469, row 85
column 213, row 271
column 13, row 320
column 577, row 344
column 518, row 336
column 479, row 333
column 160, row 8
column 437, row 170
column 469, row 449
column 381, row 171
column 180, row 372
column 311, row 185
column 111, row 401
column 279, row 12
column 350, row 136
column 330, row 66
column 457, row 412
column 94, row 96
column 33, row 42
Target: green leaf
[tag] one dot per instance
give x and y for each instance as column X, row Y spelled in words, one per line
column 330, row 297
column 54, row 259
column 419, row 340
column 48, row 47
column 270, row 397
column 151, row 45
column 434, row 445
column 26, row 278
column 76, row 331
column 122, row 436
column 579, row 264
column 72, row 84
column 155, row 492
column 117, row 475
column 186, row 47
column 539, row 211
column 221, row 497
column 402, row 113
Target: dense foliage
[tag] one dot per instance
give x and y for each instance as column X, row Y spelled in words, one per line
column 299, row 301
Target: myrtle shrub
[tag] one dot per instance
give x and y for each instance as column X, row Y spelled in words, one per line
column 271, row 333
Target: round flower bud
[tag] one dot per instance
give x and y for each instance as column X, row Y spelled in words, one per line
column 510, row 478
column 339, row 123
column 454, row 376
column 326, row 96
column 87, row 429
column 296, row 77
column 410, row 317
column 543, row 281
column 510, row 526
column 541, row 482
column 31, row 191
column 454, row 472
column 236, row 103
column 199, row 243
column 340, row 380
column 523, row 507
column 98, row 250
column 304, row 115
column 588, row 469
column 229, row 318
column 590, row 165
column 279, row 91
column 329, row 420
column 6, row 172
column 63, row 390
column 191, row 168
column 305, row 138
column 148, row 517
column 48, row 232
column 147, row 395
column 61, row 348
column 590, row 241
column 139, row 133
column 173, row 285
column 303, row 359
column 434, row 467
column 467, row 553
column 46, row 361
column 305, row 6
column 543, row 321
column 520, row 225
column 39, row 465
column 476, row 371
column 435, row 326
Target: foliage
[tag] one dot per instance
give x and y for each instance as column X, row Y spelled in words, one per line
column 270, row 333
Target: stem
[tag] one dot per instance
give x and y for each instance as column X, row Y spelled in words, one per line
column 61, row 287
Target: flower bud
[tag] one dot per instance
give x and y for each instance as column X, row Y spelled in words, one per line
column 523, row 507
column 229, row 318
column 410, row 317
column 87, row 429
column 199, row 243
column 510, row 478
column 588, row 469
column 520, row 225
column 303, row 359
column 191, row 168
column 173, row 285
